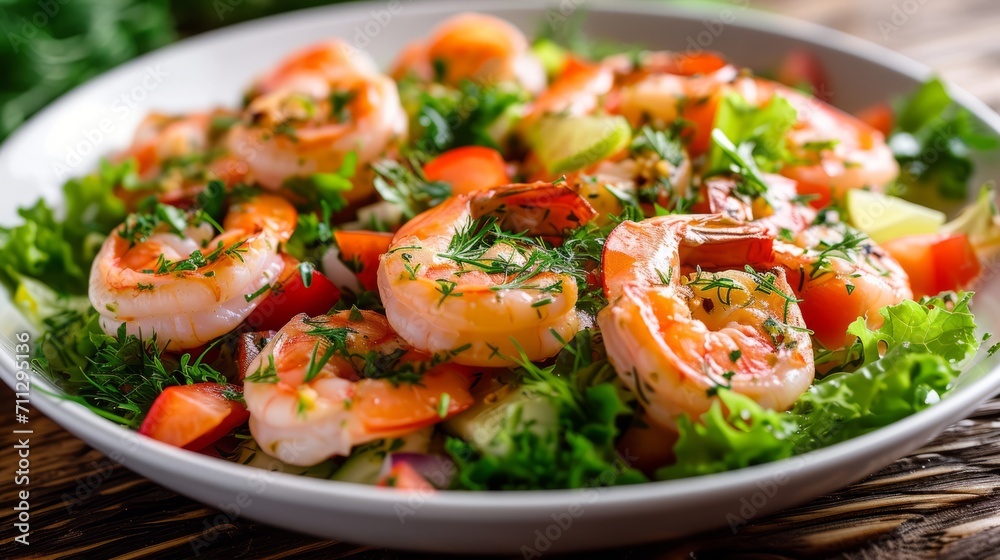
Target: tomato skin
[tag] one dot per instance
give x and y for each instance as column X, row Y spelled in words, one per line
column 248, row 347
column 290, row 296
column 879, row 116
column 363, row 248
column 801, row 67
column 193, row 416
column 821, row 196
column 468, row 169
column 701, row 119
column 405, row 477
column 956, row 262
column 935, row 262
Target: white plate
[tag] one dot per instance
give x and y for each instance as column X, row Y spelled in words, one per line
column 213, row 68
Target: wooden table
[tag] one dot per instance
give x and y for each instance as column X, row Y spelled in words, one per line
column 943, row 500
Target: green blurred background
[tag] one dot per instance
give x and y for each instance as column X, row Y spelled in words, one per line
column 50, row 46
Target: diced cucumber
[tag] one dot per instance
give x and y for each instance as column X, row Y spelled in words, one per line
column 365, row 462
column 481, row 423
column 883, row 217
column 565, row 143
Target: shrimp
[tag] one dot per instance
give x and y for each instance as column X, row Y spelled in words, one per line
column 666, row 86
column 448, row 283
column 190, row 287
column 579, row 92
column 323, row 385
column 475, row 47
column 676, row 338
column 315, row 109
column 840, row 276
column 179, row 154
column 779, row 211
column 838, row 151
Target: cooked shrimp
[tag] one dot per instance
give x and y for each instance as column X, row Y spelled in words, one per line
column 839, row 277
column 779, row 211
column 475, row 47
column 326, row 384
column 311, row 115
column 179, row 154
column 676, row 338
column 190, row 288
column 666, row 86
column 448, row 284
column 579, row 92
column 838, row 151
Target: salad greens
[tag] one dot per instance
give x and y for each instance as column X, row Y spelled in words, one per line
column 764, row 128
column 903, row 367
column 575, row 448
column 58, row 251
column 932, row 140
column 553, row 423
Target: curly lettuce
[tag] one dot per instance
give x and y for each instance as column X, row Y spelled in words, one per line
column 58, row 251
column 898, row 369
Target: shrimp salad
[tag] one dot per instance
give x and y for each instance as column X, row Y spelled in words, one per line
column 513, row 264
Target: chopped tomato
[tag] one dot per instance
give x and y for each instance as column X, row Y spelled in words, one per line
column 194, row 416
column 468, row 169
column 701, row 120
column 248, row 346
column 361, row 250
column 879, row 117
column 573, row 64
column 290, row 296
column 696, row 63
column 935, row 262
column 405, row 477
column 801, row 68
column 820, row 196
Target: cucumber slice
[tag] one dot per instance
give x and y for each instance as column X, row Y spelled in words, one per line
column 481, row 423
column 885, row 217
column 566, row 143
column 365, row 462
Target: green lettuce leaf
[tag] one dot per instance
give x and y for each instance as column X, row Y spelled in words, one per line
column 942, row 325
column 736, row 432
column 764, row 127
column 932, row 141
column 846, row 405
column 925, row 344
column 58, row 252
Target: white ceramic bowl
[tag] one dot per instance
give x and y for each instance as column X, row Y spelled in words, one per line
column 71, row 134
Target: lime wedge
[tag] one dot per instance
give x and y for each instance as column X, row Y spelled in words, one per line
column 566, row 143
column 885, row 217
